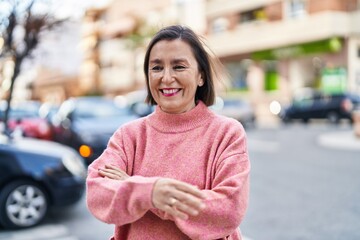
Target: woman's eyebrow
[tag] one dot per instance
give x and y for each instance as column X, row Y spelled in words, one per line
column 155, row 61
column 179, row 60
column 174, row 61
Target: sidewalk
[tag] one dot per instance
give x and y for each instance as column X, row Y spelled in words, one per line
column 340, row 140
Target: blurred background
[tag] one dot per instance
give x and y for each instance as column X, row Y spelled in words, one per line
column 293, row 80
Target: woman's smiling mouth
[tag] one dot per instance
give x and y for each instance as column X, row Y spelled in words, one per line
column 168, row 92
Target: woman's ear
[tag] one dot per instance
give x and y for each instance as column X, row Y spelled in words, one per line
column 201, row 81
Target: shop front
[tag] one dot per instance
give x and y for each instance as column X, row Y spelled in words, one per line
column 320, row 65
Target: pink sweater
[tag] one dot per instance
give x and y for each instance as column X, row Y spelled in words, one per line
column 197, row 147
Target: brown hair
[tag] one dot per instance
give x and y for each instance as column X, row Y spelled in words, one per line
column 205, row 93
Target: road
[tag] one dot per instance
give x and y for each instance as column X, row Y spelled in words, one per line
column 299, row 190
column 75, row 223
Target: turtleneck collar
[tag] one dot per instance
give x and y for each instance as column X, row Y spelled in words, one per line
column 182, row 122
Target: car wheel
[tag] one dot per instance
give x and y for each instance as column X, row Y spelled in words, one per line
column 285, row 119
column 305, row 120
column 22, row 204
column 333, row 117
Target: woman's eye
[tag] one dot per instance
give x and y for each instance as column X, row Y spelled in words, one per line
column 179, row 67
column 156, row 68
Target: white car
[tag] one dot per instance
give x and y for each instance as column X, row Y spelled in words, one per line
column 236, row 108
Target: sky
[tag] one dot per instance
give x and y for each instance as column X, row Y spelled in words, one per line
column 61, row 8
column 75, row 8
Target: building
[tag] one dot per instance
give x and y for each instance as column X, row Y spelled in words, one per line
column 111, row 42
column 272, row 48
column 56, row 65
column 115, row 37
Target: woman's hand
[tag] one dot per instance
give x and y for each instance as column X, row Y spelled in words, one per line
column 177, row 198
column 113, row 172
column 174, row 197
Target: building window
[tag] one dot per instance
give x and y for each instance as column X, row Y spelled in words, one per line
column 296, row 8
column 220, row 25
column 252, row 16
column 238, row 72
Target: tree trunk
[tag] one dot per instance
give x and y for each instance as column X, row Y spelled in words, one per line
column 8, row 100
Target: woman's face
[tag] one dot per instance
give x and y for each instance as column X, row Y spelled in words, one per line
column 173, row 76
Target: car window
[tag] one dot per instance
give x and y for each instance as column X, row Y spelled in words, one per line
column 19, row 113
column 233, row 103
column 325, row 99
column 303, row 102
column 355, row 98
column 98, row 109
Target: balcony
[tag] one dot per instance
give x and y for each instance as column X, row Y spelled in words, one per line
column 257, row 36
column 216, row 8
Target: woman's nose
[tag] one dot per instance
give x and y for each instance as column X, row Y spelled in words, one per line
column 167, row 76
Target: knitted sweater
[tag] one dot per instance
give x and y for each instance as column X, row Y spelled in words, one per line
column 197, row 147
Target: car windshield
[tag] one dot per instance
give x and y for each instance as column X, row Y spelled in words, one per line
column 99, row 109
column 233, row 103
column 355, row 98
column 19, row 113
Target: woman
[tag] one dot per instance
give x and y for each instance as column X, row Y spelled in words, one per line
column 182, row 172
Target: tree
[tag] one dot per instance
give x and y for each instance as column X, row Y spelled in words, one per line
column 22, row 23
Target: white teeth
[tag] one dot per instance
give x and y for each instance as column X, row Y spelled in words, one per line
column 169, row 91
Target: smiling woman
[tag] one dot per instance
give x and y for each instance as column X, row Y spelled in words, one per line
column 181, row 172
column 174, row 76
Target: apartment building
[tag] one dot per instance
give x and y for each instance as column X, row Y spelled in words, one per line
column 115, row 38
column 271, row 48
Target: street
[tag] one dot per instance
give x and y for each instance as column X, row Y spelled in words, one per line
column 299, row 190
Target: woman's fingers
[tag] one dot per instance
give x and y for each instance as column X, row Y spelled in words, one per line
column 185, row 208
column 113, row 172
column 174, row 211
column 185, row 187
column 188, row 195
column 110, row 175
column 188, row 202
column 177, row 198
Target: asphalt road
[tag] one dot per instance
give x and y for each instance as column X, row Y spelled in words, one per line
column 299, row 191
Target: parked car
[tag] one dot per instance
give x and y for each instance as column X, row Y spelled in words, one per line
column 135, row 100
column 36, row 175
column 236, row 108
column 25, row 117
column 87, row 123
column 317, row 105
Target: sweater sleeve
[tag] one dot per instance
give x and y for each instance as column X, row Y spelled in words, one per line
column 227, row 200
column 113, row 201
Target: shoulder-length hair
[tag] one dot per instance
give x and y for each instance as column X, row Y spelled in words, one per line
column 205, row 93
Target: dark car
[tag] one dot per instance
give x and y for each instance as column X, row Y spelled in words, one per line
column 25, row 117
column 87, row 123
column 36, row 175
column 318, row 105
